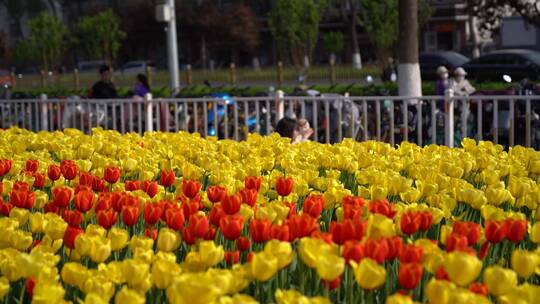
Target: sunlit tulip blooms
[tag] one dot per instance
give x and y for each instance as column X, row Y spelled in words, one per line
column 462, row 268
column 368, row 274
column 499, row 280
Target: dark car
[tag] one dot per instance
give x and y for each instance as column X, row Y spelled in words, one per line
column 518, row 64
column 429, row 62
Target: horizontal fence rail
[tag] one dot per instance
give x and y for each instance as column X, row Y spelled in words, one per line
column 508, row 120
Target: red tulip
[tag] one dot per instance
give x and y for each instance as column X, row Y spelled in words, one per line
column 517, row 230
column 280, row 232
column 478, row 288
column 152, row 213
column 190, row 208
column 103, row 202
column 132, row 185
column 111, row 174
column 107, row 218
column 232, row 257
column 342, row 231
column 243, row 243
column 210, row 234
column 39, row 180
column 483, row 250
column 188, row 237
column 198, row 225
column 353, row 201
column 22, row 198
column 231, row 226
column 410, row 254
column 395, row 245
column 376, row 250
column 441, row 274
column 151, row 233
column 249, row 196
column 331, row 285
column 496, row 231
column 456, row 242
column 190, row 188
column 351, row 211
column 73, row 217
column 353, row 251
column 86, row 179
column 468, row 229
column 284, row 185
column 292, row 208
column 260, row 230
column 313, row 205
column 302, row 225
column 360, row 227
column 70, row 235
column 216, row 213
column 150, row 187
column 32, row 165
column 5, row 208
column 410, row 275
column 216, row 193
column 166, row 205
column 54, row 172
column 83, row 200
column 426, row 219
column 5, row 166
column 21, row 186
column 51, row 208
column 325, row 236
column 174, row 219
column 29, row 285
column 130, row 215
column 69, row 170
column 98, row 184
column 231, row 204
column 61, row 196
column 167, row 178
column 252, row 182
column 410, row 222
column 382, row 207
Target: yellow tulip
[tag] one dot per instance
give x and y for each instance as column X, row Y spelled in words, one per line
column 48, row 293
column 20, row 215
column 294, row 297
column 4, row 287
column 20, row 240
column 119, row 238
column 135, row 271
column 380, row 226
column 535, row 232
column 193, row 288
column 369, row 274
column 281, row 250
column 399, row 299
column 41, row 198
column 330, row 266
column 100, row 286
column 95, row 230
column 310, row 249
column 462, row 268
column 141, row 242
column 100, row 249
column 210, row 254
column 168, row 240
column 263, row 266
column 524, row 262
column 163, row 273
column 497, row 196
column 236, row 299
column 522, row 294
column 75, row 274
column 439, row 291
column 55, row 227
column 92, row 298
column 475, row 198
column 499, row 281
column 126, row 295
column 37, row 222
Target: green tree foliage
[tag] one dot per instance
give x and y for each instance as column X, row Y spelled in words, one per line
column 100, row 36
column 295, row 26
column 333, row 42
column 47, row 39
column 380, row 19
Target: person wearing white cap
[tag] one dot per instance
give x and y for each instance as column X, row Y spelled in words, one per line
column 442, row 83
column 460, row 85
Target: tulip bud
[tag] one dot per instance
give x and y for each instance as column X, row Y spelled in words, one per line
column 168, row 240
column 524, row 262
column 499, row 281
column 368, row 274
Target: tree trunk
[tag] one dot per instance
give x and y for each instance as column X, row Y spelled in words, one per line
column 204, row 58
column 410, row 83
column 475, row 39
column 356, row 59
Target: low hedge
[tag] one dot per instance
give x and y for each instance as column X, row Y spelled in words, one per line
column 391, row 89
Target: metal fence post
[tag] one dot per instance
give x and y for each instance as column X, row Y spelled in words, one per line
column 43, row 110
column 280, row 107
column 149, row 112
column 449, row 117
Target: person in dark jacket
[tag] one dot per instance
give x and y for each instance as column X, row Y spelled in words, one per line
column 104, row 88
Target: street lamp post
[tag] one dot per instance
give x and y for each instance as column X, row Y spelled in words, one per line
column 166, row 13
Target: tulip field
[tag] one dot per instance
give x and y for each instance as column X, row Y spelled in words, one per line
column 177, row 218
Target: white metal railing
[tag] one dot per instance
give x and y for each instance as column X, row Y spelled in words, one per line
column 508, row 120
